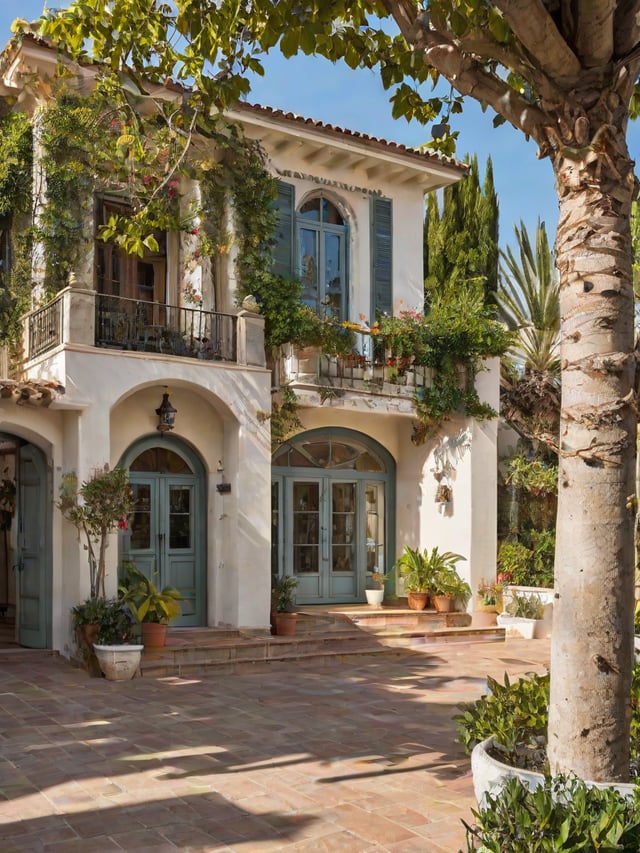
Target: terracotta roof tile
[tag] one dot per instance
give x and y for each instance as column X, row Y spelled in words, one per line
column 395, row 147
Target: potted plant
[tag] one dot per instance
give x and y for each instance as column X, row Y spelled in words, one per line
column 100, row 506
column 87, row 618
column 284, row 600
column 153, row 608
column 416, row 571
column 451, row 591
column 116, row 650
column 421, row 570
column 489, row 596
column 521, row 615
column 375, row 592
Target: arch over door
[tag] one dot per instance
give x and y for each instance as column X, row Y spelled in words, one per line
column 33, row 557
column 333, row 516
column 166, row 538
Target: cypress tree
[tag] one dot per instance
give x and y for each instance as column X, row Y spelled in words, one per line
column 461, row 235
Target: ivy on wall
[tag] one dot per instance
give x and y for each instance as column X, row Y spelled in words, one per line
column 16, row 164
column 110, row 142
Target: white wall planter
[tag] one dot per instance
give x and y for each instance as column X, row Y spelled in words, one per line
column 119, row 663
column 519, row 626
column 490, row 775
column 545, row 594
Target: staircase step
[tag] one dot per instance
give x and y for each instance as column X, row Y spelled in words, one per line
column 344, row 633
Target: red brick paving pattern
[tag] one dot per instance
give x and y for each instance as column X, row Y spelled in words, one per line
column 352, row 756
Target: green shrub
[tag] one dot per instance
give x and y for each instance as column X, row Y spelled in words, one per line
column 561, row 815
column 530, row 558
column 516, row 714
column 526, row 606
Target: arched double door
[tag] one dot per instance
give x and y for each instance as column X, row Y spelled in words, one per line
column 166, row 536
column 332, row 514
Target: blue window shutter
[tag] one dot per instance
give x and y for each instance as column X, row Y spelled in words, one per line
column 381, row 257
column 283, row 249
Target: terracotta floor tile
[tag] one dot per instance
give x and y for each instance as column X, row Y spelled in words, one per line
column 354, row 756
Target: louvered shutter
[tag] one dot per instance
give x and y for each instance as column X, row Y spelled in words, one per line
column 381, row 257
column 283, row 249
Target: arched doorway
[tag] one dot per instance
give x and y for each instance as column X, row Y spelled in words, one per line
column 332, row 513
column 166, row 537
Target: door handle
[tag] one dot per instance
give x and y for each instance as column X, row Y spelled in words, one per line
column 18, row 567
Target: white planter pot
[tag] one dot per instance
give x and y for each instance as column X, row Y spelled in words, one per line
column 490, row 775
column 374, row 597
column 119, row 663
column 518, row 626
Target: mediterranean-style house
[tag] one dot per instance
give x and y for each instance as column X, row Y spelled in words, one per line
column 217, row 508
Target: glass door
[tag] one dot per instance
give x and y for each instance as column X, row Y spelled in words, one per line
column 161, row 536
column 324, row 542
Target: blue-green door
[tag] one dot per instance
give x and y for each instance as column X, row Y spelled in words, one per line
column 165, row 538
column 33, row 576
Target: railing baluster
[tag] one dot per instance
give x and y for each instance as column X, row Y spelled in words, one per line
column 189, row 332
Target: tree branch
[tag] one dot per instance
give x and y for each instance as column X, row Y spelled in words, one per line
column 536, row 31
column 626, row 27
column 594, row 31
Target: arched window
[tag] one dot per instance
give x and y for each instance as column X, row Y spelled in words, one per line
column 321, row 241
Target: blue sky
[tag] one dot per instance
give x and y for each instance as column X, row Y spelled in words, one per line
column 356, row 100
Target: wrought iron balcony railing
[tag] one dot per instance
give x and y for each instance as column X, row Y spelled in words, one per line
column 78, row 316
column 153, row 327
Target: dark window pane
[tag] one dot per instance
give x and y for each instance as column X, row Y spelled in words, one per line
column 140, row 524
column 179, row 517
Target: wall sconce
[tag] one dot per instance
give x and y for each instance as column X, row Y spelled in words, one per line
column 166, row 414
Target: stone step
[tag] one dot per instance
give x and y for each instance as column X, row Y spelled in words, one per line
column 320, row 634
column 231, row 653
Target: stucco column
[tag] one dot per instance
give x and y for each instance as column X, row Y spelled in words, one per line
column 484, row 480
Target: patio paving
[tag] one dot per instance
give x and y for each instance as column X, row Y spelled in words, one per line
column 350, row 755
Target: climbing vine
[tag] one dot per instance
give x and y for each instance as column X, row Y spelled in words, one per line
column 16, row 164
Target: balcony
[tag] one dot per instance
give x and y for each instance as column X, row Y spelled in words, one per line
column 88, row 318
column 386, row 376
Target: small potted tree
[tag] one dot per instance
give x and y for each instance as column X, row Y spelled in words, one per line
column 101, row 505
column 98, row 507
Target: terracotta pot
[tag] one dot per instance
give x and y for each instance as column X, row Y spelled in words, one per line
column 483, row 619
column 86, row 636
column 154, row 634
column 443, row 603
column 285, row 624
column 417, row 600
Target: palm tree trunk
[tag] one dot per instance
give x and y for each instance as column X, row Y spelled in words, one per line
column 592, row 645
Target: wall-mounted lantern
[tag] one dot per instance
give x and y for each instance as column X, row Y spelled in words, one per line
column 167, row 414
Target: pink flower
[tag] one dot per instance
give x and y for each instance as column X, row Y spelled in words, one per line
column 195, row 231
column 146, row 179
column 122, row 524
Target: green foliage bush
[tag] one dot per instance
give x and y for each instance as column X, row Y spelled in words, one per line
column 517, row 714
column 530, row 560
column 563, row 814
